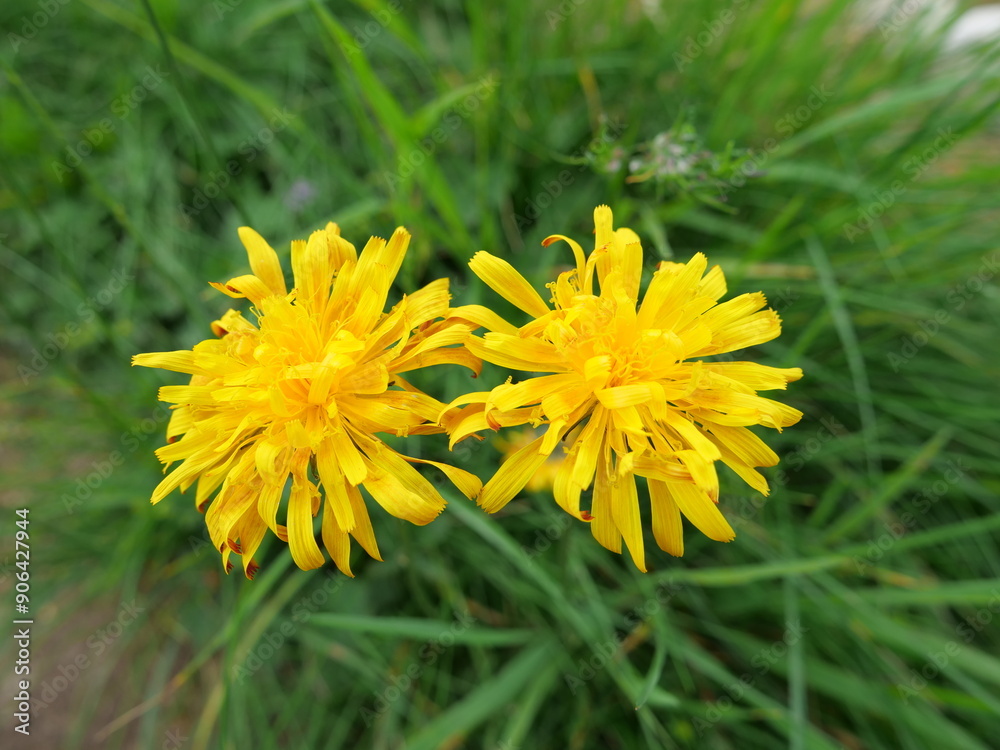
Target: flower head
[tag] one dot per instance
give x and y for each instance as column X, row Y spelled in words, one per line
column 302, row 394
column 628, row 393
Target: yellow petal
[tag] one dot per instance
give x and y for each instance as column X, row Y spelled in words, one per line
column 627, row 420
column 653, row 466
column 268, row 500
column 232, row 321
column 181, row 421
column 483, row 317
column 565, row 491
column 452, row 356
column 630, row 262
column 622, row 396
column 713, row 285
column 341, row 251
column 190, row 362
column 745, row 472
column 670, row 288
column 508, row 283
column 460, row 423
column 702, row 512
column 734, row 310
column 336, row 540
column 466, row 482
column 191, row 468
column 455, row 334
column 333, row 481
column 562, row 403
column 251, row 533
column 270, row 459
column 702, row 471
column 690, row 434
column 667, row 529
column 263, row 260
column 399, row 488
column 603, row 236
column 527, row 355
column 363, row 532
column 301, row 537
column 312, row 266
column 370, row 304
column 746, row 446
column 578, row 254
column 226, row 510
column 603, row 524
column 427, row 303
column 187, row 394
column 588, row 447
column 746, row 332
column 378, row 265
column 625, row 509
column 597, row 370
column 350, row 459
column 369, row 378
column 248, row 286
column 207, row 484
column 511, row 477
column 757, row 376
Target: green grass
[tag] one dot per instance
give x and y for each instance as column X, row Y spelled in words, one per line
column 799, row 634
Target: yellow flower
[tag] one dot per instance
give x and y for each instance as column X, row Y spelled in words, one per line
column 626, row 394
column 302, row 394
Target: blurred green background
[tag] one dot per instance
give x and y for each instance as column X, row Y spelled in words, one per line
column 840, row 158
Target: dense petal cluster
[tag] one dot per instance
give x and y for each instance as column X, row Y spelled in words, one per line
column 302, row 393
column 631, row 389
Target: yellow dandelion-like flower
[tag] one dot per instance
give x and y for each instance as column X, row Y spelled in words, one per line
column 302, row 394
column 627, row 395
